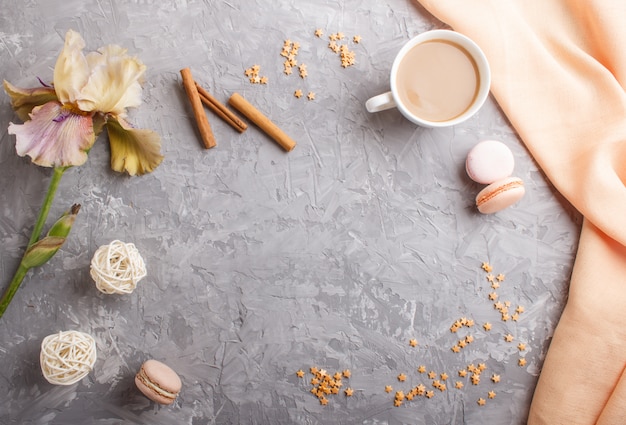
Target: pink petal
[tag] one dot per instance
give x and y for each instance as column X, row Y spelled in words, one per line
column 54, row 136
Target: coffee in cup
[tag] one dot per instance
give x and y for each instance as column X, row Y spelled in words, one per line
column 439, row 78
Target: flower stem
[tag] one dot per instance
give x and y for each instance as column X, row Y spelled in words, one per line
column 47, row 203
column 41, row 220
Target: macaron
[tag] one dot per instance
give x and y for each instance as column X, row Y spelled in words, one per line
column 488, row 161
column 158, row 382
column 500, row 195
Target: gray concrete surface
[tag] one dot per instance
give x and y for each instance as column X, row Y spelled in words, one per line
column 262, row 262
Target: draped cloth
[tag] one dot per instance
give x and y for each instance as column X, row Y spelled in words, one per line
column 559, row 74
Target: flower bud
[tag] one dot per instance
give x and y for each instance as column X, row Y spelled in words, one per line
column 44, row 249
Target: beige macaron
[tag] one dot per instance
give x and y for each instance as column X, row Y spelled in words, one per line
column 158, row 382
column 500, row 195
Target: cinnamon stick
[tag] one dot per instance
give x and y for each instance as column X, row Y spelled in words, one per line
column 264, row 123
column 222, row 111
column 208, row 140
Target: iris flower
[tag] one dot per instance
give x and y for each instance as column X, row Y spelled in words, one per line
column 89, row 93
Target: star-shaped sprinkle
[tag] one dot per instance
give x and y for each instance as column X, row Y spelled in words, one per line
column 458, row 385
column 413, row 342
column 491, row 394
column 430, row 394
column 300, row 373
column 310, row 96
column 388, row 388
column 421, row 369
column 462, row 373
column 481, row 401
column 456, row 349
column 487, row 326
column 397, row 403
column 298, row 93
column 500, row 277
column 319, row 32
column 444, row 376
column 486, row 267
column 508, row 338
column 519, row 309
column 356, row 39
column 323, row 401
column 522, row 362
column 432, row 374
column 402, row 377
column 349, row 392
column 495, row 378
column 347, row 373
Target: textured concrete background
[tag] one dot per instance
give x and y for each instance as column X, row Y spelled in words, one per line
column 260, row 262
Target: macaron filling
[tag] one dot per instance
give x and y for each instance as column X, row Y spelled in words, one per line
column 492, row 194
column 143, row 377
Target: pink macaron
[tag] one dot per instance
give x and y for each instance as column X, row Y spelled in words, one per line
column 500, row 195
column 158, row 382
column 488, row 161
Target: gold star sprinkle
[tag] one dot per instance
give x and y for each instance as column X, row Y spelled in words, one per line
column 522, row 362
column 323, row 401
column 397, row 403
column 462, row 373
column 487, row 326
column 413, row 342
column 421, row 369
column 486, row 267
column 347, row 373
column 444, row 376
column 349, row 392
column 310, row 96
column 508, row 338
column 356, row 39
column 458, row 385
column 491, row 394
column 298, row 93
column 430, row 394
column 519, row 309
column 432, row 374
column 481, row 401
column 495, row 378
column 388, row 388
column 319, row 32
column 500, row 277
column 456, row 349
column 402, row 377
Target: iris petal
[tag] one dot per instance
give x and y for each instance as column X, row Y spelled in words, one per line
column 24, row 100
column 114, row 83
column 54, row 136
column 71, row 71
column 135, row 151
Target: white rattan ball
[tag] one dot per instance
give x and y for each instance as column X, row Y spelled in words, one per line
column 116, row 268
column 67, row 357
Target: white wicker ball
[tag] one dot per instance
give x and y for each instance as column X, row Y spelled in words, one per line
column 116, row 268
column 67, row 357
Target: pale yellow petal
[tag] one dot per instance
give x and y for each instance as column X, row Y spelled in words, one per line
column 115, row 82
column 135, row 151
column 71, row 71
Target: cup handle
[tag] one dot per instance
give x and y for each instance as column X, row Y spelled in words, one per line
column 381, row 102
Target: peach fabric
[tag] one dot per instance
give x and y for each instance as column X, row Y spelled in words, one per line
column 559, row 73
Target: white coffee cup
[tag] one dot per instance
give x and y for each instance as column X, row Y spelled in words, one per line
column 474, row 96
